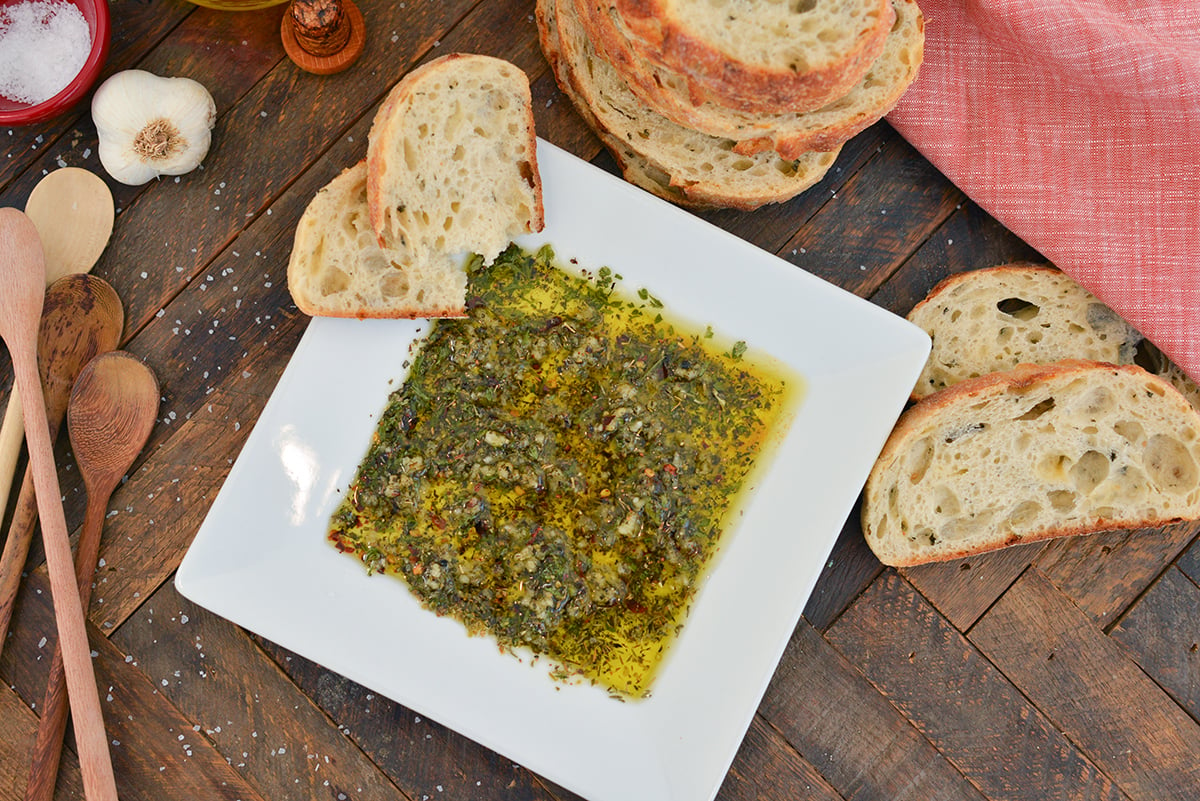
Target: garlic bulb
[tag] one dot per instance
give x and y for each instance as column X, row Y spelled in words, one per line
column 151, row 126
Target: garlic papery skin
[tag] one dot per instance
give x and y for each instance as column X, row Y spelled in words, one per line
column 150, row 125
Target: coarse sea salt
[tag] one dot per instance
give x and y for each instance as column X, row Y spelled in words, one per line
column 43, row 46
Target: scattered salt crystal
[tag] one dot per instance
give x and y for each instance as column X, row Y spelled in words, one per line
column 43, row 45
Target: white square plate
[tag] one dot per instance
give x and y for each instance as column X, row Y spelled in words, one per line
column 261, row 558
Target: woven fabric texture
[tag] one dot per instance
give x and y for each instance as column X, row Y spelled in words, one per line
column 1076, row 123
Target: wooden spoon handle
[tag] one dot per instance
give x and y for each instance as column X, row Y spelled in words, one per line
column 16, row 551
column 47, row 748
column 91, row 741
column 12, row 434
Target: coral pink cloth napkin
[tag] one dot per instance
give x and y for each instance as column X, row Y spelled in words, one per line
column 1076, row 123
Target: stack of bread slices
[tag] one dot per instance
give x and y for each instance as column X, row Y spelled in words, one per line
column 733, row 104
column 451, row 171
column 1040, row 413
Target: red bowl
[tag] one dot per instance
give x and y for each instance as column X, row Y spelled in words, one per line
column 96, row 14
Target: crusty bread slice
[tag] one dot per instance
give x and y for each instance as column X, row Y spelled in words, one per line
column 703, row 169
column 996, row 318
column 452, row 159
column 760, row 55
column 338, row 269
column 1035, row 452
column 790, row 134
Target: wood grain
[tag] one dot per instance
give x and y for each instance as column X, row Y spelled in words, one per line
column 279, row 741
column 767, row 769
column 1105, row 573
column 156, row 751
column 1162, row 632
column 421, row 754
column 1091, row 690
column 858, row 741
column 963, row 704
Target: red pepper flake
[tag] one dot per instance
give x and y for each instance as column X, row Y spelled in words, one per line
column 438, row 521
column 670, row 468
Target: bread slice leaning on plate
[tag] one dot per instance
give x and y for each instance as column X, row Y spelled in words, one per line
column 338, row 269
column 985, row 320
column 452, row 159
column 1035, row 452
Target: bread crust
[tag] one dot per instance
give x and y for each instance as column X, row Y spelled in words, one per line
column 660, row 145
column 963, row 316
column 660, row 32
column 895, row 546
column 788, row 133
column 382, row 163
column 334, row 273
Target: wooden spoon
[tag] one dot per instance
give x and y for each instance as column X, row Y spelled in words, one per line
column 73, row 212
column 22, row 290
column 113, row 408
column 82, row 317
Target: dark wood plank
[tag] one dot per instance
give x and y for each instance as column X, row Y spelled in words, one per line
column 272, row 733
column 156, row 752
column 766, row 768
column 1162, row 631
column 970, row 239
column 259, row 147
column 18, row 727
column 860, row 743
column 966, row 707
column 424, row 758
column 1105, row 573
column 1087, row 685
column 772, row 226
column 1189, row 561
column 963, row 589
column 850, row 568
column 872, row 224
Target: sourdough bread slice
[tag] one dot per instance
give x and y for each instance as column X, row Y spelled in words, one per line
column 1036, row 452
column 704, row 169
column 338, row 269
column 760, row 55
column 994, row 319
column 789, row 134
column 452, row 159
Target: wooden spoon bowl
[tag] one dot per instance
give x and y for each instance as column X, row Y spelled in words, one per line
column 73, row 211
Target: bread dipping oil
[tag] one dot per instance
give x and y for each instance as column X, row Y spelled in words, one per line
column 558, row 467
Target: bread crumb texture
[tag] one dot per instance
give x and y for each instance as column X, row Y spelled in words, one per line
column 987, row 320
column 1035, row 452
column 338, row 269
column 452, row 164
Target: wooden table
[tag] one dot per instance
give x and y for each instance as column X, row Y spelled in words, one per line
column 1060, row 670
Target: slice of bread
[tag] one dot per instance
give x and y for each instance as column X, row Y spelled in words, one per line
column 452, row 159
column 1035, row 452
column 338, row 269
column 704, row 169
column 994, row 319
column 760, row 55
column 788, row 133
